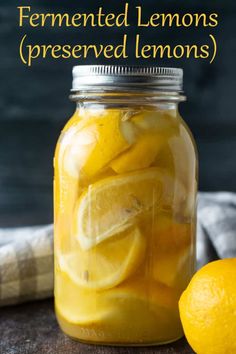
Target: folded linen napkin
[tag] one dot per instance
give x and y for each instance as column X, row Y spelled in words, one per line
column 26, row 253
column 216, row 226
column 26, row 264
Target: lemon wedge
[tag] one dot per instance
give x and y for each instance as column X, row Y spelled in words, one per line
column 76, row 304
column 174, row 269
column 135, row 309
column 92, row 143
column 141, row 155
column 112, row 204
column 152, row 308
column 141, row 309
column 171, row 251
column 107, row 264
column 153, row 131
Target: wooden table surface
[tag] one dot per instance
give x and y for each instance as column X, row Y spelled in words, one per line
column 32, row 329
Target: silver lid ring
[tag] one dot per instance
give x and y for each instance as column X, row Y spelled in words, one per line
column 123, row 78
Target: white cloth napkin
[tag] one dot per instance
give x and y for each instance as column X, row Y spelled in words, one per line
column 26, row 264
column 26, row 253
column 216, row 226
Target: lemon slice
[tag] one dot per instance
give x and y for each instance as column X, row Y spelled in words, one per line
column 140, row 155
column 154, row 129
column 111, row 205
column 171, row 251
column 142, row 309
column 174, row 269
column 108, row 264
column 92, row 143
column 76, row 304
column 135, row 309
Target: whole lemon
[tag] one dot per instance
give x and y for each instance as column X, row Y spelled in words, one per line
column 208, row 308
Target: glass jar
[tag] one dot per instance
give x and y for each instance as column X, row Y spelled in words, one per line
column 125, row 207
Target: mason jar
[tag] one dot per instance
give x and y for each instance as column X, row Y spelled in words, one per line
column 125, row 207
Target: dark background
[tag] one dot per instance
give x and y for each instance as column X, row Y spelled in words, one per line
column 34, row 101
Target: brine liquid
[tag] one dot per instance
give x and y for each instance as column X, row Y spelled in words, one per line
column 125, row 185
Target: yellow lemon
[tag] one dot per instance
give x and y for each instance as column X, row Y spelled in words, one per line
column 140, row 155
column 170, row 254
column 111, row 205
column 87, row 314
column 76, row 304
column 107, row 264
column 89, row 145
column 153, row 130
column 172, row 269
column 208, row 308
column 152, row 308
column 168, row 234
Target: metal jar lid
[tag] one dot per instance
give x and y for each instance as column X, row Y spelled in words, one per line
column 96, row 78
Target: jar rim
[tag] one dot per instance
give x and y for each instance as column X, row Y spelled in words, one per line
column 96, row 78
